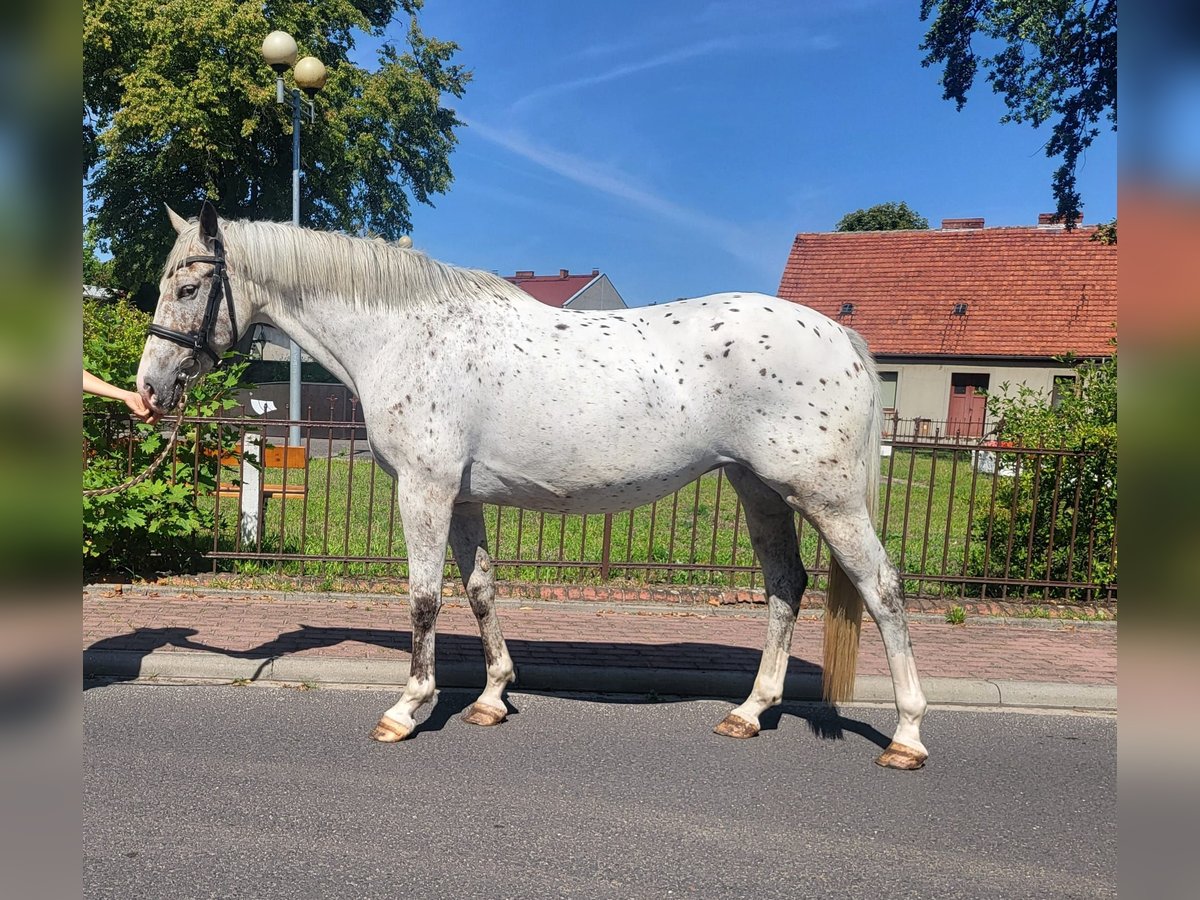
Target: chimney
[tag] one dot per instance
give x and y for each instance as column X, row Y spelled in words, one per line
column 595, row 272
column 524, row 274
column 961, row 224
column 564, row 273
column 1050, row 220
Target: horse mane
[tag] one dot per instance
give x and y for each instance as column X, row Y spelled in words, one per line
column 367, row 272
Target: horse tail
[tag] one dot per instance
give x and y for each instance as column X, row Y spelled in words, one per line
column 843, row 602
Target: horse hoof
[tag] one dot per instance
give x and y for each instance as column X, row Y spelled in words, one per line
column 389, row 731
column 898, row 756
column 736, row 727
column 481, row 714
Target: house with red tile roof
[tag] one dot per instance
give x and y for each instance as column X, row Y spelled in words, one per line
column 956, row 312
column 568, row 291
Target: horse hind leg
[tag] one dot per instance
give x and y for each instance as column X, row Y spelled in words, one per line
column 468, row 539
column 772, row 528
column 863, row 560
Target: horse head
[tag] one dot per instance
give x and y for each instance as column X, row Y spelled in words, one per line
column 197, row 317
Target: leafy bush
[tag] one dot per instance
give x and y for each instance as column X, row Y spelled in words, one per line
column 1077, row 494
column 154, row 525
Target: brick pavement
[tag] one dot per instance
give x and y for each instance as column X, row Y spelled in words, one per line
column 614, row 592
column 259, row 626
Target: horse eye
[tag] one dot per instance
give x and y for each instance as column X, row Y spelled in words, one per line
column 187, row 290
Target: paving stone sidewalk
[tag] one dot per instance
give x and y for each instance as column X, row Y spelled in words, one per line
column 232, row 628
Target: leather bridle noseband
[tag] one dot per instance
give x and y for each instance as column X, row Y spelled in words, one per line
column 200, row 340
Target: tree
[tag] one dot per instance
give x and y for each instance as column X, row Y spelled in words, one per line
column 883, row 217
column 1055, row 515
column 1106, row 233
column 179, row 106
column 96, row 272
column 1056, row 62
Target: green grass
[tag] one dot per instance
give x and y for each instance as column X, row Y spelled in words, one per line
column 364, row 521
column 1066, row 613
column 929, row 502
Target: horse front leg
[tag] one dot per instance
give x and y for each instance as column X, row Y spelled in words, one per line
column 426, row 520
column 468, row 540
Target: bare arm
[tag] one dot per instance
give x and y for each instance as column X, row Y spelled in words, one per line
column 132, row 399
column 101, row 388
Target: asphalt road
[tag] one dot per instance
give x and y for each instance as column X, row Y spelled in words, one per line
column 261, row 792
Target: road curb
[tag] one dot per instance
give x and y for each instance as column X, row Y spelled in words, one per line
column 190, row 665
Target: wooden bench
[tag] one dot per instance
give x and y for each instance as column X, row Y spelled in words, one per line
column 293, row 460
column 251, row 461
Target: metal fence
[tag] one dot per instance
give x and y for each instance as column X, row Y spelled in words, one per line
column 942, row 431
column 960, row 518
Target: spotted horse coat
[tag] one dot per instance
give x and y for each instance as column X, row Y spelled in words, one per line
column 474, row 392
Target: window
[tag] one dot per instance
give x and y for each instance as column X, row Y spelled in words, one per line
column 1063, row 386
column 847, row 309
column 887, row 388
column 976, row 381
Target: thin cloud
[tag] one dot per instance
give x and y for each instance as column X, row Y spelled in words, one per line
column 731, row 238
column 704, row 48
column 629, row 44
column 806, row 42
column 725, row 11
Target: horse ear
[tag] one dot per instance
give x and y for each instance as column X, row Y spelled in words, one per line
column 178, row 222
column 208, row 221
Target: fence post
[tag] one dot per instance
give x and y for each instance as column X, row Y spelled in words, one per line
column 251, row 490
column 606, row 549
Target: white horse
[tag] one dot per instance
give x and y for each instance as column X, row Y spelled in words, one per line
column 473, row 393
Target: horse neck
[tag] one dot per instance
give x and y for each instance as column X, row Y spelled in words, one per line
column 345, row 335
column 338, row 335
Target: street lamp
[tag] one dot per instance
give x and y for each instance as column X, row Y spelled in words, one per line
column 279, row 50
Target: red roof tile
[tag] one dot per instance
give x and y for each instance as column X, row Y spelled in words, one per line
column 553, row 290
column 1030, row 292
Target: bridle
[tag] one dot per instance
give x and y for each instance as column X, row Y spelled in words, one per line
column 196, row 341
column 200, row 341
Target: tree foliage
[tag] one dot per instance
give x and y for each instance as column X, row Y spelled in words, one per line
column 96, row 272
column 152, row 526
column 1055, row 61
column 1055, row 515
column 883, row 217
column 1106, row 233
column 179, row 106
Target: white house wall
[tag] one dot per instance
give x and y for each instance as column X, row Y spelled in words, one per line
column 923, row 389
column 599, row 294
column 276, row 346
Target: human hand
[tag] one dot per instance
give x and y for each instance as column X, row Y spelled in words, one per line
column 139, row 409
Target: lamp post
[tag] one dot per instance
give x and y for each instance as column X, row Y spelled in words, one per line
column 279, row 50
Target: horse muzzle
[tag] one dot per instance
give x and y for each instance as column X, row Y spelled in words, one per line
column 163, row 398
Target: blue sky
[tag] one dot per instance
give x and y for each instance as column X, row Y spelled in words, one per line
column 679, row 146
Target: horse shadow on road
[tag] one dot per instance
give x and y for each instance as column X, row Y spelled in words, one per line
column 119, row 658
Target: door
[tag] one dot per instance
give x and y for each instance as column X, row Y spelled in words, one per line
column 968, row 404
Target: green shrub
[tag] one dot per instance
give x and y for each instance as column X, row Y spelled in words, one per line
column 154, row 525
column 1077, row 493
